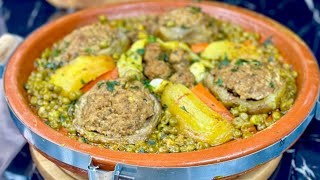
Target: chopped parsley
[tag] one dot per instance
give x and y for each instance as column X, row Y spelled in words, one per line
column 151, row 142
column 256, row 62
column 241, row 62
column 183, row 108
column 141, row 150
column 271, row 84
column 51, row 65
column 271, row 58
column 184, row 27
column 100, row 84
column 85, row 140
column 111, row 85
column 219, row 82
column 134, row 87
column 56, row 52
column 268, row 41
column 141, row 51
column 235, row 69
column 83, row 82
column 146, row 83
column 164, row 106
column 88, row 50
column 195, row 9
column 152, row 39
column 62, row 118
column 224, row 62
column 164, row 57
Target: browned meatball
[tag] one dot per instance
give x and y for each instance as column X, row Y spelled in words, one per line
column 185, row 78
column 116, row 111
column 157, row 69
column 152, row 52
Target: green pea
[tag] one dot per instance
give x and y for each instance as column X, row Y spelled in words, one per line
column 174, row 130
column 200, row 145
column 129, row 148
column 247, row 134
column 161, row 126
column 103, row 19
column 103, row 45
column 255, row 119
column 166, row 129
column 276, row 115
column 57, row 89
column 34, row 100
column 42, row 112
column 237, row 133
column 244, row 116
column 163, row 149
column 174, row 149
column 173, row 122
column 66, row 100
column 191, row 147
column 54, row 124
column 234, row 111
column 183, row 148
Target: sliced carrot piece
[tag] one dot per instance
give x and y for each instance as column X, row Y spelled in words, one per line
column 197, row 48
column 204, row 95
column 113, row 74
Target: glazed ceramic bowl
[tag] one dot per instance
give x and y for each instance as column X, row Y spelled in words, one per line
column 230, row 158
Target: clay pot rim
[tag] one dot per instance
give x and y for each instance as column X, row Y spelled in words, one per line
column 237, row 148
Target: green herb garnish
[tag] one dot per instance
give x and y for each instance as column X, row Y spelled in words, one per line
column 271, row 58
column 152, row 39
column 219, row 82
column 88, row 50
column 111, row 85
column 151, row 142
column 141, row 51
column 195, row 9
column 51, row 65
column 271, row 84
column 56, row 52
column 183, row 108
column 146, row 83
column 164, row 57
column 256, row 62
column 83, row 82
column 100, row 84
column 268, row 41
column 241, row 62
column 235, row 69
column 224, row 62
column 165, row 107
column 85, row 140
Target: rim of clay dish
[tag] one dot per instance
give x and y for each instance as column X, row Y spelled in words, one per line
column 292, row 48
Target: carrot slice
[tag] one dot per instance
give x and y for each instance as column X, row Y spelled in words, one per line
column 113, row 74
column 204, row 95
column 197, row 48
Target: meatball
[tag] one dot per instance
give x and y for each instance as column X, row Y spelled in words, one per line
column 95, row 39
column 185, row 78
column 117, row 111
column 256, row 87
column 152, row 52
column 157, row 69
column 187, row 24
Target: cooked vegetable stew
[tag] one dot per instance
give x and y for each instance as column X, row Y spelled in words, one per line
column 177, row 82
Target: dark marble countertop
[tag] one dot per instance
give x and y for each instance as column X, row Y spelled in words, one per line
column 301, row 161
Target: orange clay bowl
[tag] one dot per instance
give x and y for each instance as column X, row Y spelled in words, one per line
column 293, row 49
